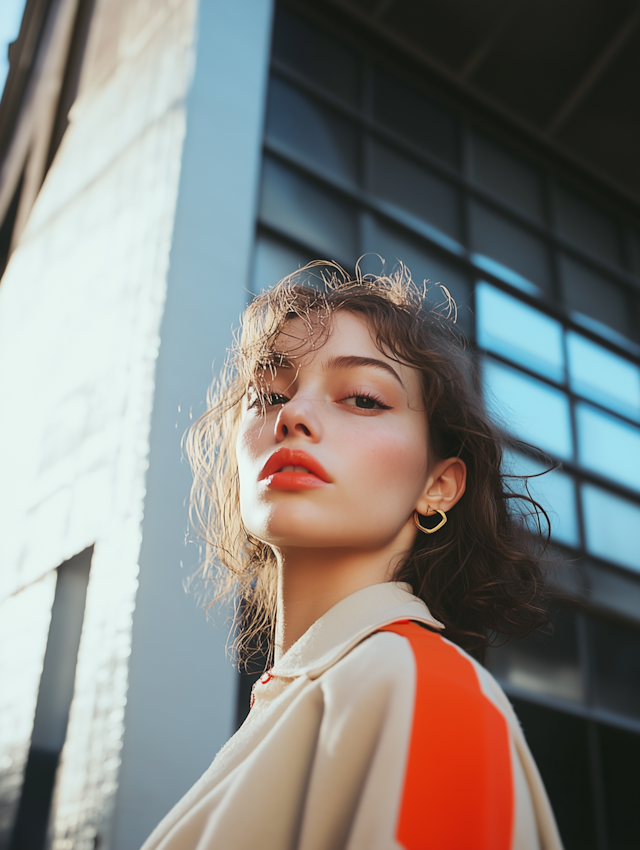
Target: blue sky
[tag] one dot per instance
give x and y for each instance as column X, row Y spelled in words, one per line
column 10, row 17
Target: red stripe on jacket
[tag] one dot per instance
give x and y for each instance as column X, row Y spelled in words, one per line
column 458, row 789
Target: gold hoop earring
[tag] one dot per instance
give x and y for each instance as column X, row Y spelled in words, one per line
column 416, row 519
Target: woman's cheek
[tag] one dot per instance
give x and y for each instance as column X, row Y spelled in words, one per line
column 246, row 453
column 248, row 439
column 392, row 458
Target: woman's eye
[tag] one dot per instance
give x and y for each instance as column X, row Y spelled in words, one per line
column 275, row 398
column 365, row 402
column 257, row 399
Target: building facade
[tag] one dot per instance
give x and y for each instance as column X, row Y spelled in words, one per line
column 160, row 162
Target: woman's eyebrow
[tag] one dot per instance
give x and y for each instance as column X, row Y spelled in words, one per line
column 353, row 361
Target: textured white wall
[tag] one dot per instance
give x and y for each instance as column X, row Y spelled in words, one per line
column 181, row 700
column 132, row 268
column 80, row 310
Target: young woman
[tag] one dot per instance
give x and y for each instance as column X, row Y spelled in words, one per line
column 349, row 482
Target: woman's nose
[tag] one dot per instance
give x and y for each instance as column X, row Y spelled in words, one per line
column 298, row 418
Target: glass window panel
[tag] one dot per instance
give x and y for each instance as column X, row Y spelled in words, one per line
column 310, row 132
column 546, row 664
column 411, row 114
column 307, row 212
column 593, row 294
column 634, row 252
column 609, row 446
column 601, row 375
column 273, row 260
column 506, row 175
column 394, row 245
column 587, row 226
column 555, row 490
column 519, row 332
column 611, row 526
column 616, row 666
column 560, row 746
column 406, row 184
column 530, row 410
column 495, row 237
column 316, row 55
column 620, row 756
column 613, row 590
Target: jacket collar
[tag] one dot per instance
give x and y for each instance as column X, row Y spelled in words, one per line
column 349, row 622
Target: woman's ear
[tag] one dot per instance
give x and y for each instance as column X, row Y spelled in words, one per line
column 445, row 486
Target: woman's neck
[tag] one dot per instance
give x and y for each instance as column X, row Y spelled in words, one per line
column 311, row 581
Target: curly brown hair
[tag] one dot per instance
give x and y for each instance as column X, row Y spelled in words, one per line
column 480, row 574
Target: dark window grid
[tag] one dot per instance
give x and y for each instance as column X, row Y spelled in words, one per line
column 597, row 789
column 464, row 142
column 575, row 553
column 411, row 221
column 602, row 844
column 578, row 473
column 465, row 222
column 546, row 232
column 592, row 477
column 295, row 242
column 615, row 343
column 367, row 91
column 582, row 475
column 346, row 262
column 574, row 397
column 308, row 247
column 634, row 303
column 593, row 606
column 603, row 617
column 576, row 469
column 626, row 222
column 369, row 125
column 630, row 232
column 366, row 201
column 410, row 224
column 585, row 712
column 597, row 786
column 575, row 709
column 584, row 657
column 584, row 610
column 366, row 153
column 358, row 44
column 550, row 217
column 587, row 602
column 593, row 743
column 595, row 756
column 555, row 272
column 582, row 534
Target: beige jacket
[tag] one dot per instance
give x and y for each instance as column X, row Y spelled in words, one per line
column 364, row 739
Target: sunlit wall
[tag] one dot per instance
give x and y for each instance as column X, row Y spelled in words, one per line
column 118, row 299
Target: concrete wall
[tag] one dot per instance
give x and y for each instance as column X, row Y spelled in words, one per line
column 181, row 701
column 89, row 432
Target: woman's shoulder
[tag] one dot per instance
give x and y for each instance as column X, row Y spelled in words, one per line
column 380, row 663
column 420, row 656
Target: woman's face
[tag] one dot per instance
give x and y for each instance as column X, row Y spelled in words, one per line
column 340, row 458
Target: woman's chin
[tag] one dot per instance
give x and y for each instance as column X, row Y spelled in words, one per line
column 304, row 526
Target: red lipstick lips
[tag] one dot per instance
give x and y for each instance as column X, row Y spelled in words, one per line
column 307, row 473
